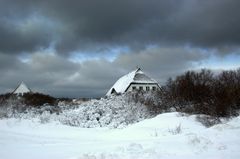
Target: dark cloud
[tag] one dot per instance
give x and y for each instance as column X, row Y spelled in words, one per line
column 7, row 62
column 58, row 76
column 24, row 35
column 100, row 24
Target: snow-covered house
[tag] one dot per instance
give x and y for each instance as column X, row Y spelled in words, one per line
column 135, row 80
column 21, row 89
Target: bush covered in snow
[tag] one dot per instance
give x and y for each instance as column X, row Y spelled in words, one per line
column 113, row 111
column 12, row 105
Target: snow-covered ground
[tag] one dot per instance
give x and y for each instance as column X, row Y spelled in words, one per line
column 168, row 135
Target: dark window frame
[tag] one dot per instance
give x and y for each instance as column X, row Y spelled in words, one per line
column 147, row 88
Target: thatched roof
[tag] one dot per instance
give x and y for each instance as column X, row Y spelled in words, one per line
column 21, row 89
column 136, row 76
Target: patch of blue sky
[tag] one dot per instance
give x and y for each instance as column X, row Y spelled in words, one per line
column 107, row 54
column 231, row 61
column 24, row 57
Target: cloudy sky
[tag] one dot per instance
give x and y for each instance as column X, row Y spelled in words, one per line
column 79, row 48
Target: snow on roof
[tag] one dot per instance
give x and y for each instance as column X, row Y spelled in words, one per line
column 136, row 76
column 21, row 89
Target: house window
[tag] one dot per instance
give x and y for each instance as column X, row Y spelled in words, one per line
column 133, row 88
column 140, row 88
column 153, row 88
column 147, row 88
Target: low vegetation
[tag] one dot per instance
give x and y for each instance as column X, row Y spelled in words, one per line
column 29, row 99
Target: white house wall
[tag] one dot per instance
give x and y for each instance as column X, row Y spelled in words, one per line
column 144, row 86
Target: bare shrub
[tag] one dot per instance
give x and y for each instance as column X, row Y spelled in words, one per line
column 207, row 120
column 176, row 130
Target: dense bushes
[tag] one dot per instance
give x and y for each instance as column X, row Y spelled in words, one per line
column 11, row 104
column 153, row 100
column 4, row 98
column 37, row 99
column 206, row 93
column 28, row 99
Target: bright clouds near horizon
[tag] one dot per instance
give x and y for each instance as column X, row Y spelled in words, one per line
column 80, row 48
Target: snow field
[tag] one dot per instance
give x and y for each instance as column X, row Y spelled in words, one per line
column 168, row 135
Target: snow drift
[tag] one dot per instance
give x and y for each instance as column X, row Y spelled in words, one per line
column 168, row 136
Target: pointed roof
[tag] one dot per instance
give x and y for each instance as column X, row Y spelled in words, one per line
column 136, row 76
column 21, row 89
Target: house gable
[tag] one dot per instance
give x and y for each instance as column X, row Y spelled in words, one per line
column 136, row 77
column 21, row 89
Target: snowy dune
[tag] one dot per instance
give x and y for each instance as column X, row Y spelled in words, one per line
column 155, row 138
